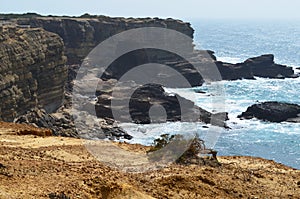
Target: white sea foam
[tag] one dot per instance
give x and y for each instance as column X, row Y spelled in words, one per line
column 232, row 60
column 234, row 43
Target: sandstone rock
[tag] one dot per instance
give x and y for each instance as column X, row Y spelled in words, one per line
column 272, row 111
column 32, row 71
column 81, row 35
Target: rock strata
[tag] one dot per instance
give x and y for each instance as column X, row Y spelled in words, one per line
column 81, row 35
column 273, row 112
column 149, row 104
column 34, row 76
column 32, row 71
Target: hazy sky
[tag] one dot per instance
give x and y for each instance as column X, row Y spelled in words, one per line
column 185, row 9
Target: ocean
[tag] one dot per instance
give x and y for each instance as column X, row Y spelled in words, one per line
column 235, row 41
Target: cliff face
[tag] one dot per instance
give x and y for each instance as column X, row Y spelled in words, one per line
column 32, row 71
column 81, row 35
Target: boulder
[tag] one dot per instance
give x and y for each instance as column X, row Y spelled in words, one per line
column 273, row 112
column 261, row 66
column 264, row 66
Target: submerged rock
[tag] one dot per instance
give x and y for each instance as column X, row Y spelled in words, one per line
column 273, row 112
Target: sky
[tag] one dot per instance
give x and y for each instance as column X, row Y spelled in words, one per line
column 183, row 9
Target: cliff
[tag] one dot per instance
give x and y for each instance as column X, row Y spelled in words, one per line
column 33, row 73
column 32, row 70
column 81, row 35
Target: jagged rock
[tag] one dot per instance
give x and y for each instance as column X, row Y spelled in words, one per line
column 273, row 112
column 90, row 127
column 143, row 99
column 32, row 71
column 261, row 66
column 264, row 66
column 62, row 126
column 58, row 196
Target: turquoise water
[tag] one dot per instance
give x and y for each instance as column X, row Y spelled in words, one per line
column 235, row 41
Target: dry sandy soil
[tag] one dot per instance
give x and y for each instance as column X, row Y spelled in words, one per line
column 36, row 165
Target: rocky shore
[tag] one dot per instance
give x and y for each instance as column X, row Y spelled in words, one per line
column 41, row 155
column 41, row 56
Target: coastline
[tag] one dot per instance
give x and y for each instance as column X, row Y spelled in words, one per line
column 33, row 164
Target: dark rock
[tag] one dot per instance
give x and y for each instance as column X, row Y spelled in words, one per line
column 264, row 66
column 144, row 99
column 58, row 196
column 41, row 118
column 2, row 166
column 272, row 111
column 62, row 124
column 234, row 71
column 82, row 35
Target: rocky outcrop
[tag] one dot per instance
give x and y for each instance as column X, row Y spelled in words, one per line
column 273, row 112
column 149, row 104
column 32, row 71
column 60, row 124
column 261, row 66
column 264, row 66
column 81, row 35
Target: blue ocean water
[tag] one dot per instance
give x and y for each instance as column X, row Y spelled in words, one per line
column 235, row 41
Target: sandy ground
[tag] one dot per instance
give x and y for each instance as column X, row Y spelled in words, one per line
column 42, row 166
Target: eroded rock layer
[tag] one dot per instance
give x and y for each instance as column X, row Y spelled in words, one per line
column 32, row 70
column 81, row 35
